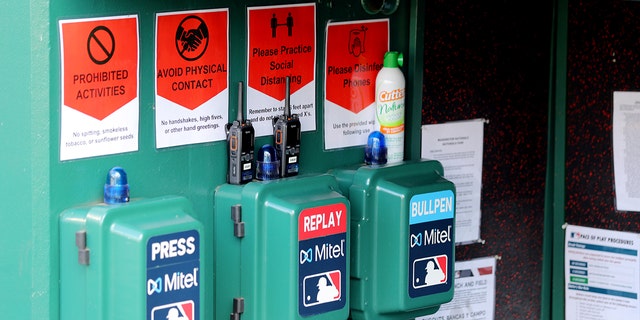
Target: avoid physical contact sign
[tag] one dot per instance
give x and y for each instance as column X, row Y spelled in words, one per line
column 191, row 77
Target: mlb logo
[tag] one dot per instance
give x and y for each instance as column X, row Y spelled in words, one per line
column 430, row 271
column 174, row 311
column 322, row 288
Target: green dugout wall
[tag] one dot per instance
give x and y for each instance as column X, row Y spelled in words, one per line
column 36, row 186
column 596, row 45
column 551, row 166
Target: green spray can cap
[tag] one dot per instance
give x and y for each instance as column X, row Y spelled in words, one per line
column 392, row 59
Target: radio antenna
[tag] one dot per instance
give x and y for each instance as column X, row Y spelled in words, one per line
column 240, row 118
column 287, row 97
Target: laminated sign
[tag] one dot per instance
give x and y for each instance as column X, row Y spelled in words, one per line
column 173, row 276
column 99, row 106
column 431, row 243
column 192, row 78
column 322, row 269
column 281, row 44
column 354, row 55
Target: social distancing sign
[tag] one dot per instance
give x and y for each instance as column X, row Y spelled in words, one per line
column 281, row 44
column 192, row 79
column 99, row 79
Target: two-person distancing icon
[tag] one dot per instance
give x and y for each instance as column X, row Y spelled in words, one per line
column 288, row 23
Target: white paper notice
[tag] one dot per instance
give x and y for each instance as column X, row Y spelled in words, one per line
column 458, row 146
column 626, row 150
column 474, row 294
column 601, row 274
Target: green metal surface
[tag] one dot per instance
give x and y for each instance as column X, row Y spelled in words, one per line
column 117, row 237
column 380, row 212
column 37, row 187
column 25, row 222
column 262, row 266
column 552, row 298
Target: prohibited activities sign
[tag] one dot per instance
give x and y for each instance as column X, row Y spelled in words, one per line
column 99, row 78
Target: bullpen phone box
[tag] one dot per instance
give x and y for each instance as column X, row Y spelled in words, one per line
column 402, row 239
column 282, row 249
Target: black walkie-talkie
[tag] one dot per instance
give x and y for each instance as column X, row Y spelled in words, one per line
column 240, row 141
column 286, row 133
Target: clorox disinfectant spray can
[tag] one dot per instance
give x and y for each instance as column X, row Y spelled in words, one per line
column 390, row 105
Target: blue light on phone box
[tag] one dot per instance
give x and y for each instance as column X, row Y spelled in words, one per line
column 267, row 164
column 116, row 188
column 376, row 150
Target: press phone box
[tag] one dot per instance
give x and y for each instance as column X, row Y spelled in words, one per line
column 147, row 255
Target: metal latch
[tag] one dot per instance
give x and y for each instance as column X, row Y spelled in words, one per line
column 238, row 225
column 238, row 308
column 81, row 243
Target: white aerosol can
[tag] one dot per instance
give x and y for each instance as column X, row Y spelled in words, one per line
column 390, row 90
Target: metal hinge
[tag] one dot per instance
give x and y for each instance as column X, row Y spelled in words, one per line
column 238, row 225
column 81, row 243
column 238, row 308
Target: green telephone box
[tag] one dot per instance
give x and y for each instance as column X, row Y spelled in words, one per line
column 402, row 239
column 282, row 249
column 136, row 260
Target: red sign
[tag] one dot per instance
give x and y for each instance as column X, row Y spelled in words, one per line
column 281, row 44
column 355, row 52
column 191, row 53
column 322, row 221
column 100, row 64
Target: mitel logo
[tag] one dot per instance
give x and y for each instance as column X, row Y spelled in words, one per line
column 322, row 288
column 306, row 256
column 416, row 240
column 173, row 282
column 183, row 310
column 323, row 252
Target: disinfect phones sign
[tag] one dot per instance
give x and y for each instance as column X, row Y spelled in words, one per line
column 431, row 220
column 354, row 53
column 322, row 255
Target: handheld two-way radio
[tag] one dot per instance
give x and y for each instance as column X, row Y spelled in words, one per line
column 286, row 133
column 240, row 140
